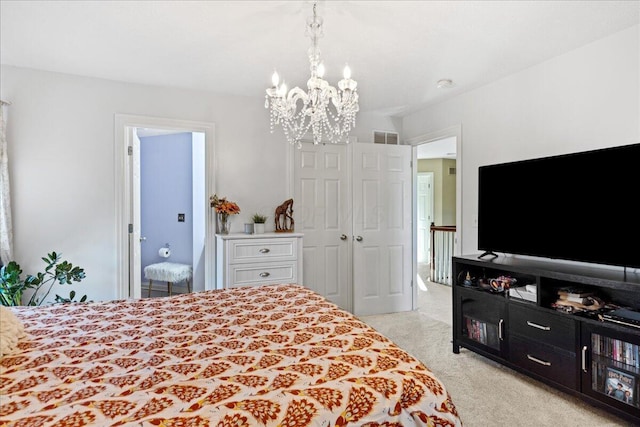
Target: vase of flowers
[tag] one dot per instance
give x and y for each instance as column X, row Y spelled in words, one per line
column 223, row 223
column 223, row 208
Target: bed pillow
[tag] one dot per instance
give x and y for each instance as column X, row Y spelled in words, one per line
column 11, row 330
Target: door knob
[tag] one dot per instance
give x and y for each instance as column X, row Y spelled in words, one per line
column 142, row 238
column 359, row 238
column 343, row 237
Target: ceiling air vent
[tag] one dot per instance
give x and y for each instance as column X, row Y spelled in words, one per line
column 385, row 137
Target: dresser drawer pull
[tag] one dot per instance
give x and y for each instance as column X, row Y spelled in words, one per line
column 535, row 325
column 265, row 274
column 264, row 251
column 535, row 359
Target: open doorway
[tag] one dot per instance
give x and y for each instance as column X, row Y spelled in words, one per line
column 435, row 198
column 172, row 209
column 446, row 145
column 196, row 248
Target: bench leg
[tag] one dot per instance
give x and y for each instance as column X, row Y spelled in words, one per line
column 169, row 288
column 150, row 283
column 189, row 285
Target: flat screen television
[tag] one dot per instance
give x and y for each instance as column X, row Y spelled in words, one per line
column 578, row 207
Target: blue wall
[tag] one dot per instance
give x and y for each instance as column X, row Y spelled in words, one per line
column 166, row 190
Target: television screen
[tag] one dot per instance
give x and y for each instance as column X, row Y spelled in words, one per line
column 578, row 207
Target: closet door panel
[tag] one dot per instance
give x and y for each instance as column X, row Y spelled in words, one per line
column 382, row 226
column 323, row 213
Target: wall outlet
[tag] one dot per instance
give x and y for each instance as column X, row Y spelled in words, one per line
column 180, row 217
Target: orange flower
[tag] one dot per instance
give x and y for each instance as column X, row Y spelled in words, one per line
column 224, row 206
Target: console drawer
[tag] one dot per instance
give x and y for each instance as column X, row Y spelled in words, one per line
column 259, row 250
column 250, row 260
column 256, row 274
column 546, row 361
column 544, row 327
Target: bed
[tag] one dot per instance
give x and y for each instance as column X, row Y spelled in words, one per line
column 273, row 355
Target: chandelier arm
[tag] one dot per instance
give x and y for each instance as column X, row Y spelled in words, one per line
column 297, row 94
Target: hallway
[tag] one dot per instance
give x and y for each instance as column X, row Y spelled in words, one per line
column 434, row 299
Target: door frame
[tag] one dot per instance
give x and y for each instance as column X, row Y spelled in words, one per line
column 452, row 131
column 123, row 192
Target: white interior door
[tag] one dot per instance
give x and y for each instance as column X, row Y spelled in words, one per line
column 321, row 194
column 135, row 267
column 425, row 214
column 382, row 246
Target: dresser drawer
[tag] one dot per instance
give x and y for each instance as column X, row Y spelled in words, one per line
column 544, row 360
column 251, row 260
column 259, row 250
column 250, row 275
column 544, row 327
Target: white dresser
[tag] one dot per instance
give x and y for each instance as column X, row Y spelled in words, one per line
column 257, row 259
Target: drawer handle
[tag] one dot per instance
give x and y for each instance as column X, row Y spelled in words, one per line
column 265, row 274
column 535, row 325
column 535, row 359
column 265, row 251
column 500, row 326
column 584, row 358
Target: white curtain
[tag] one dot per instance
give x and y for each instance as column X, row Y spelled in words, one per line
column 6, row 228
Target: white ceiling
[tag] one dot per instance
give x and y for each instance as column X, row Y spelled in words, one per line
column 397, row 50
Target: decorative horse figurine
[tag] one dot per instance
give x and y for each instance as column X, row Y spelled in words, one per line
column 284, row 215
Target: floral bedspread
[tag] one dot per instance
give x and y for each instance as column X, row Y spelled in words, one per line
column 278, row 355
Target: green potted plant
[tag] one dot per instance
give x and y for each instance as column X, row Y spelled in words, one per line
column 258, row 223
column 13, row 286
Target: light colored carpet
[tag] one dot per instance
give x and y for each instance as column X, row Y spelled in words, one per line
column 484, row 392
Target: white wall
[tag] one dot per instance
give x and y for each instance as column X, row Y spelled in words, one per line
column 366, row 123
column 585, row 99
column 60, row 130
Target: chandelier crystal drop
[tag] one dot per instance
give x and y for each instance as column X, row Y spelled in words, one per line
column 328, row 113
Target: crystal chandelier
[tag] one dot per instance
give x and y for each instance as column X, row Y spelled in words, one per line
column 327, row 112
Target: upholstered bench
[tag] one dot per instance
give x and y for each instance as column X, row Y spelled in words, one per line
column 169, row 272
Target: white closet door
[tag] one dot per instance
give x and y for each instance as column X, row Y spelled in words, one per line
column 322, row 211
column 382, row 252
